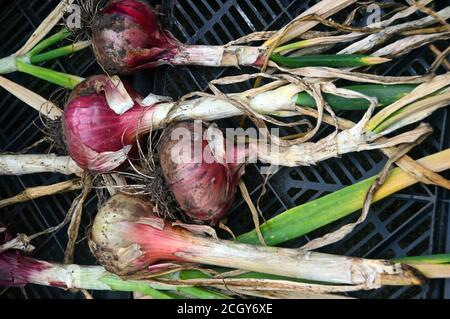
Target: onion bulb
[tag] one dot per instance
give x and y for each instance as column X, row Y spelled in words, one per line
column 98, row 139
column 127, row 36
column 204, row 186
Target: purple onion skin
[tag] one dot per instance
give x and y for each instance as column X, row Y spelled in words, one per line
column 204, row 191
column 89, row 123
column 127, row 36
column 15, row 269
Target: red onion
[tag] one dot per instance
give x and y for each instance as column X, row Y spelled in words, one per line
column 127, row 239
column 17, row 270
column 127, row 36
column 98, row 139
column 203, row 187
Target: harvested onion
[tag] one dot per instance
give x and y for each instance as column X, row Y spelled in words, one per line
column 203, row 187
column 128, row 239
column 127, row 36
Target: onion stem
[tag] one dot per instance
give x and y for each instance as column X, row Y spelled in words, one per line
column 385, row 94
column 303, row 219
column 64, row 80
column 201, row 293
column 338, row 61
column 126, row 228
column 292, row 46
column 411, row 110
column 430, row 259
column 16, row 63
column 32, row 193
column 63, row 51
column 34, row 163
column 44, row 44
column 18, row 270
column 118, row 284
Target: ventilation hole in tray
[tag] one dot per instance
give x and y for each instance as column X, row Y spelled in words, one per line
column 43, row 9
column 403, row 215
column 327, row 178
column 252, row 178
column 377, row 156
column 233, row 28
column 351, row 167
column 368, row 245
column 52, row 251
column 28, row 222
column 56, row 217
column 275, row 7
column 383, row 293
column 13, row 187
column 388, row 210
column 17, row 26
column 294, row 8
column 202, row 8
column 328, row 228
column 411, row 292
column 298, row 173
column 214, row 5
column 195, row 19
column 272, row 208
column 337, row 170
column 221, row 34
column 388, row 254
column 362, row 160
column 357, row 236
column 414, row 234
column 183, row 24
column 27, row 136
column 304, row 196
column 248, row 9
column 419, row 67
column 420, row 249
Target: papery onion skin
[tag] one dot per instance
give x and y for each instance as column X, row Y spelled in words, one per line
column 127, row 36
column 89, row 124
column 205, row 191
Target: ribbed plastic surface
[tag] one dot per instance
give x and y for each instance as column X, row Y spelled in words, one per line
column 412, row 222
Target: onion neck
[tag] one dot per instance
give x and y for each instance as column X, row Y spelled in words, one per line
column 128, row 238
column 274, row 102
column 64, row 80
column 207, row 55
column 180, row 245
column 18, row 270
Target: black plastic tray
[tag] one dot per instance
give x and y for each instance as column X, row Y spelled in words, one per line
column 414, row 221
